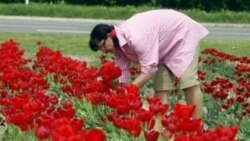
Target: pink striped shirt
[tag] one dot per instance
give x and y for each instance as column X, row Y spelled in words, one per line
column 157, row 36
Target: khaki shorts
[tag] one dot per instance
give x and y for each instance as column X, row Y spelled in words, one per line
column 164, row 78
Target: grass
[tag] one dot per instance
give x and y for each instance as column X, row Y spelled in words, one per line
column 73, row 45
column 70, row 11
column 235, row 47
column 103, row 12
column 77, row 45
column 219, row 16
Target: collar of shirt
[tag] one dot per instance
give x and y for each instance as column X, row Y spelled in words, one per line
column 124, row 45
column 120, row 36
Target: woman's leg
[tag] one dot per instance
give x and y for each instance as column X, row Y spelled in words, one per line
column 163, row 95
column 193, row 95
column 190, row 84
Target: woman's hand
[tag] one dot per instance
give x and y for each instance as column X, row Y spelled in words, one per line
column 142, row 79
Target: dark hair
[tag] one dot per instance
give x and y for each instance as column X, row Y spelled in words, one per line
column 99, row 33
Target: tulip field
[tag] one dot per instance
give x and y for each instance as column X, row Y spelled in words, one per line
column 53, row 97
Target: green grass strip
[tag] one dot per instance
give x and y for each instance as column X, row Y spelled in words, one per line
column 103, row 12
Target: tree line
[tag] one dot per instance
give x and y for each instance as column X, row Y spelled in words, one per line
column 207, row 5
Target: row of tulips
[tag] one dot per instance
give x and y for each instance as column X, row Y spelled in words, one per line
column 231, row 92
column 28, row 102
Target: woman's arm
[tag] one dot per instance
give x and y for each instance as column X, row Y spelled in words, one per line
column 142, row 79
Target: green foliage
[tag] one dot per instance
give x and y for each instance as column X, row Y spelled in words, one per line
column 115, row 12
column 207, row 5
column 14, row 133
column 109, row 2
column 39, row 1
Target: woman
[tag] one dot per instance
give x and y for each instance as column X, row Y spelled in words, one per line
column 164, row 42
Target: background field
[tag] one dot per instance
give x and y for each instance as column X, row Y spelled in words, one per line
column 77, row 45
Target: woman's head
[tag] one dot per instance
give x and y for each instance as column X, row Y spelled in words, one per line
column 103, row 37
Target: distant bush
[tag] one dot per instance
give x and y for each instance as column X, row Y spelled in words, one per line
column 38, row 1
column 110, row 2
column 207, row 5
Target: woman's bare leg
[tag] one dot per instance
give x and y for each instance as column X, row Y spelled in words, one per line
column 193, row 95
column 163, row 95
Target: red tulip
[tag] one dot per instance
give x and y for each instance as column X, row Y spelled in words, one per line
column 151, row 135
column 42, row 132
column 95, row 135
